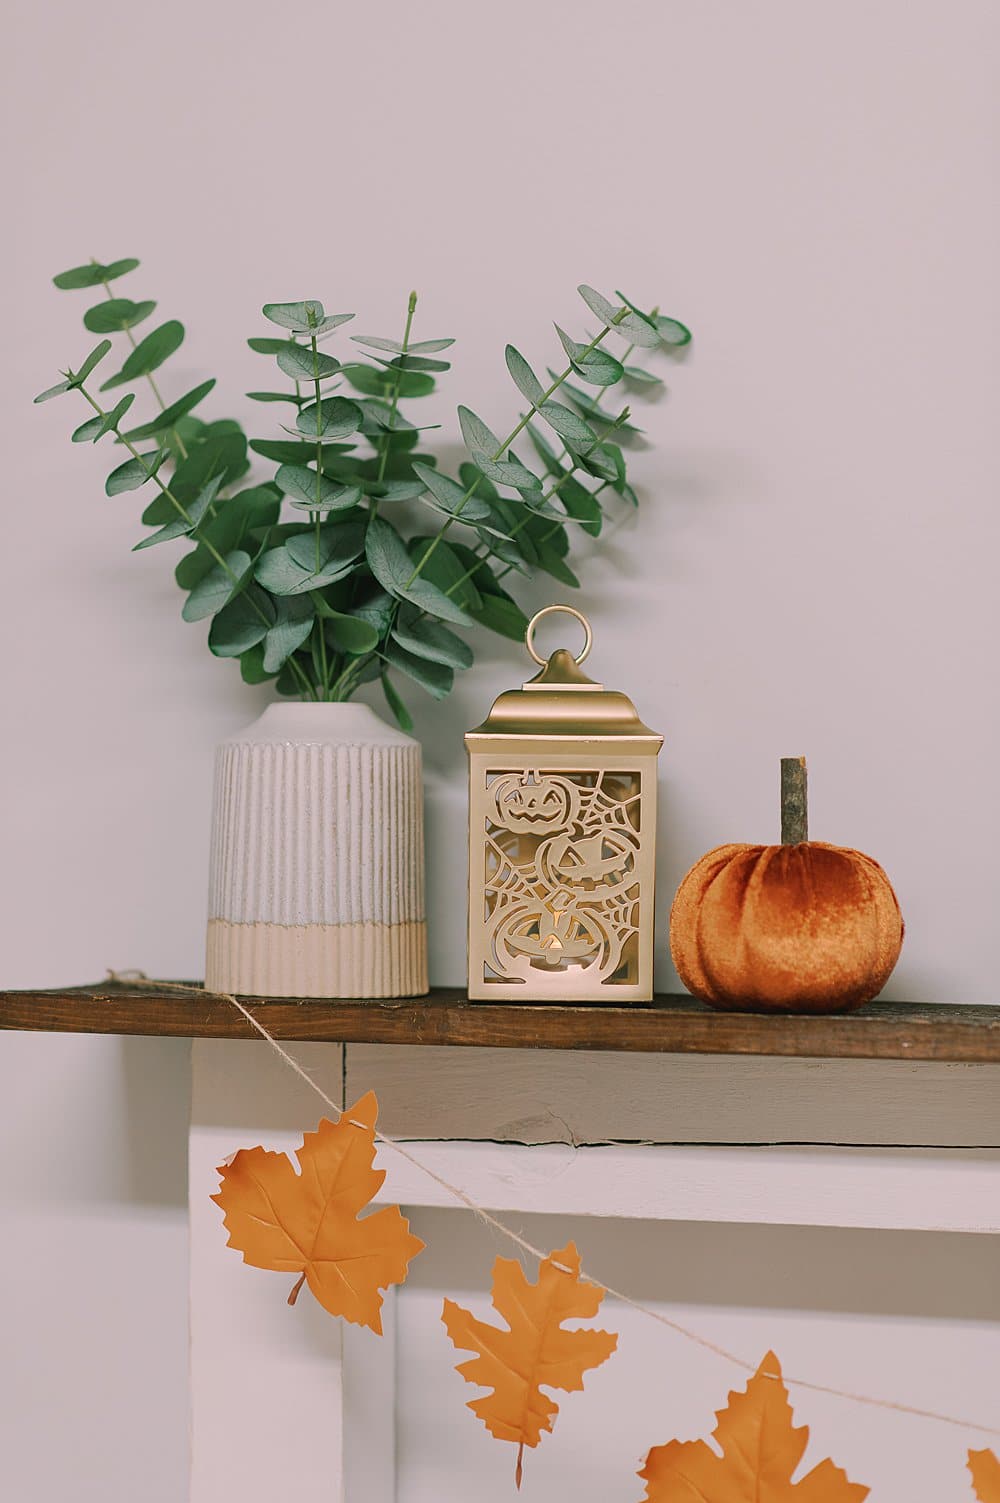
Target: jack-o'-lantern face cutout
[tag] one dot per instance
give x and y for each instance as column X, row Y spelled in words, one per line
column 533, row 804
column 551, row 936
column 602, row 864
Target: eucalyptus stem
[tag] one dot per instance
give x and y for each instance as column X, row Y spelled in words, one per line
column 547, row 496
column 319, row 445
column 149, row 375
column 506, row 443
column 318, row 624
column 411, row 308
column 182, row 511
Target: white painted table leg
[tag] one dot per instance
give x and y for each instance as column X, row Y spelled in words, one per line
column 267, row 1396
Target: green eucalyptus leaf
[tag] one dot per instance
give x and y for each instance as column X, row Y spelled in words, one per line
column 428, row 639
column 644, row 377
column 568, row 424
column 672, row 331
column 544, row 451
column 430, row 346
column 599, row 305
column 350, row 634
column 508, row 472
column 479, row 439
column 330, row 322
column 509, row 550
column 449, row 568
column 183, row 526
column 471, row 475
column 595, row 413
column 437, row 678
column 379, row 416
column 116, row 314
column 402, row 715
column 392, row 345
column 269, row 346
column 486, row 448
column 288, row 451
column 252, row 669
column 304, row 318
column 149, row 354
column 134, row 472
column 299, row 362
column 395, row 490
column 341, row 500
column 276, row 396
column 638, row 327
column 503, row 615
column 288, row 682
column 54, row 391
column 213, row 449
column 596, row 462
column 278, row 572
column 294, row 618
column 410, row 362
column 449, row 497
column 524, row 377
column 332, row 418
column 241, row 624
column 88, row 431
column 595, row 366
column 581, row 505
column 96, row 355
column 111, row 420
column 293, row 568
column 93, row 274
column 377, row 610
column 304, row 484
column 169, row 416
column 339, row 545
column 218, row 587
column 551, row 563
column 235, row 516
column 495, row 609
column 393, row 567
column 374, row 382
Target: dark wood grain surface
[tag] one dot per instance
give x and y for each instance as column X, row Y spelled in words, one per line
column 669, row 1025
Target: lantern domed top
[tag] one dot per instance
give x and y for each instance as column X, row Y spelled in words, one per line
column 562, row 701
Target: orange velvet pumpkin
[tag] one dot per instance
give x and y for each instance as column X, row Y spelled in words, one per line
column 785, row 928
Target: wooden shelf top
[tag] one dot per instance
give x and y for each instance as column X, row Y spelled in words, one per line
column 669, row 1025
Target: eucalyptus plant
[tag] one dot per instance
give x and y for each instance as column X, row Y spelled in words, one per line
column 312, row 577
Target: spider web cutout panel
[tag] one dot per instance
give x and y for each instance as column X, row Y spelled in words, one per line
column 561, row 875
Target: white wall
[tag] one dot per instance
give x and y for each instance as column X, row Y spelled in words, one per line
column 811, row 187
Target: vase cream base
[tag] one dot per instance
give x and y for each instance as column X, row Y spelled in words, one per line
column 317, row 960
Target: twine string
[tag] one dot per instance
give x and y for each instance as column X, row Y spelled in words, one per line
column 139, row 979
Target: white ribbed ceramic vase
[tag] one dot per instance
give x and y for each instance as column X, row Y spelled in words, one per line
column 316, row 883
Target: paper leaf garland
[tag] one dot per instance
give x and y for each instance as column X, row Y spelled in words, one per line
column 308, row 1223
column 760, row 1450
column 535, row 1352
column 985, row 1469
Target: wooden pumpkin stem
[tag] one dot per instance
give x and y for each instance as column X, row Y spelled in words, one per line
column 794, row 801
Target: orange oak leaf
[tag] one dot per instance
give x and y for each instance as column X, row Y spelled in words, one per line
column 308, row 1222
column 985, row 1469
column 760, row 1450
column 535, row 1352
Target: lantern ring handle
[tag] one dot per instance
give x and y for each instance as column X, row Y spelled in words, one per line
column 551, row 610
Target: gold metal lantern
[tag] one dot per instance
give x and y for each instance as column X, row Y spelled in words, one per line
column 562, row 831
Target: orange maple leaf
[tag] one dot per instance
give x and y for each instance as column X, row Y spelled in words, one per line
column 535, row 1351
column 985, row 1469
column 760, row 1451
column 307, row 1223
